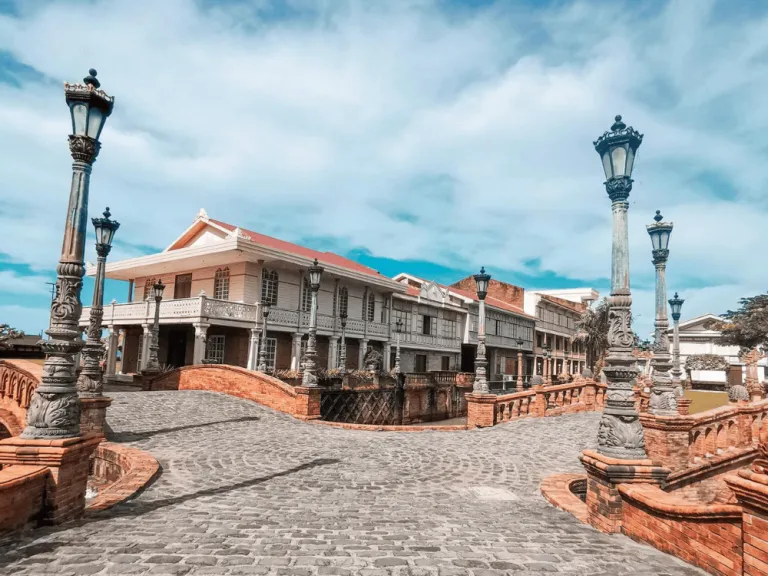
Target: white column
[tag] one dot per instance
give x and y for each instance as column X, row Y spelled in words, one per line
column 333, row 352
column 201, row 332
column 361, row 355
column 145, row 342
column 112, row 352
column 253, row 347
column 387, row 354
column 121, row 342
column 296, row 351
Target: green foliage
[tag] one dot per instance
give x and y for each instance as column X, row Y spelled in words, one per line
column 8, row 333
column 592, row 331
column 746, row 327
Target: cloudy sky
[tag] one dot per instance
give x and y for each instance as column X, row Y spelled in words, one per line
column 427, row 136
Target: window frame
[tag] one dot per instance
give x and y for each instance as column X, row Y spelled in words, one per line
column 215, row 354
column 270, row 281
column 221, row 284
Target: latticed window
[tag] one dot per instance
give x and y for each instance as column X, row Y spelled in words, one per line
column 306, row 295
column 384, row 311
column 370, row 307
column 270, row 351
column 214, row 351
column 343, row 300
column 140, row 354
column 450, row 328
column 404, row 317
column 221, row 284
column 269, row 282
column 148, row 287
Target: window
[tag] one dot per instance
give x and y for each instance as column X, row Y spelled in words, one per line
column 343, row 300
column 392, row 358
column 182, row 287
column 214, row 350
column 371, row 308
column 269, row 282
column 490, row 327
column 270, row 352
column 221, row 284
column 539, row 340
column 427, row 324
column 445, row 363
column 450, row 325
column 420, row 363
column 404, row 317
column 306, row 295
column 385, row 311
column 148, row 287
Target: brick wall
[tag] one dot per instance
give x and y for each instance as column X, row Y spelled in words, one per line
column 22, row 490
column 244, row 384
column 705, row 535
column 755, row 542
column 496, row 289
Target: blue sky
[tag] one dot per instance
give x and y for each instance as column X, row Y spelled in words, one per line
column 426, row 136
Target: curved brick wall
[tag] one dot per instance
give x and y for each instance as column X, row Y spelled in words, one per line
column 18, row 380
column 302, row 403
column 123, row 470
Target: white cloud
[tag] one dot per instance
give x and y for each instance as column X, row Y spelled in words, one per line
column 478, row 125
column 14, row 283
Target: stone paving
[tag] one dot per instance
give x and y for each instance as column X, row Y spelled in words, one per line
column 245, row 490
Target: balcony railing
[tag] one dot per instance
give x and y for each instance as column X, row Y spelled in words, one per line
column 429, row 341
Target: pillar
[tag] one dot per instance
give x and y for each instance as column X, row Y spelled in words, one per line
column 114, row 338
column 361, row 355
column 145, row 342
column 387, row 354
column 296, row 351
column 333, row 352
column 201, row 333
column 253, row 348
column 519, row 370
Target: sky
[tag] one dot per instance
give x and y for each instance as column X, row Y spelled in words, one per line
column 426, row 136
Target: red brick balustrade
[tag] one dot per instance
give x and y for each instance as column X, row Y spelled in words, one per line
column 122, row 471
column 303, row 403
column 22, row 490
column 484, row 410
column 18, row 380
column 682, row 440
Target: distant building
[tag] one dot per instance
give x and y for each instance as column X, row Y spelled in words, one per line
column 24, row 347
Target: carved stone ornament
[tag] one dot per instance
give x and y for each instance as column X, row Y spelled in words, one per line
column 705, row 362
column 663, row 401
column 737, row 393
column 481, row 347
column 83, row 148
column 760, row 465
column 373, row 360
column 621, row 437
column 66, row 307
column 660, row 256
column 88, row 385
column 618, row 189
column 619, row 328
column 53, row 415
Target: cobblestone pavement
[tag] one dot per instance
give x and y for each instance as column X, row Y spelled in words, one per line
column 245, row 490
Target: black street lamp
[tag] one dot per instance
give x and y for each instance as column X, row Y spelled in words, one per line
column 90, row 383
column 153, row 364
column 676, row 303
column 54, row 410
column 480, row 384
column 343, row 353
column 263, row 348
column 620, row 434
column 309, row 378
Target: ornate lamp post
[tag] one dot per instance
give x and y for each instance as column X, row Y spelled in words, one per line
column 566, row 366
column 262, row 367
column 153, row 364
column 480, row 385
column 398, row 330
column 620, row 434
column 520, row 343
column 90, row 383
column 309, row 378
column 662, row 401
column 548, row 364
column 54, row 411
column 676, row 304
column 343, row 352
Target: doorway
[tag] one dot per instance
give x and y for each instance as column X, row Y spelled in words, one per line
column 177, row 347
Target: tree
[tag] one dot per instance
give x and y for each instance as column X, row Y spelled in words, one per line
column 746, row 327
column 8, row 333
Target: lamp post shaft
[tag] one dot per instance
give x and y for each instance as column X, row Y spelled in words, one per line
column 54, row 410
column 676, row 372
column 153, row 364
column 343, row 350
column 481, row 363
column 662, row 401
column 262, row 367
column 397, row 354
column 309, row 377
column 620, row 434
column 90, row 382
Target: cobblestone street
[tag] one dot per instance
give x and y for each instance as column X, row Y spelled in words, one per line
column 245, row 490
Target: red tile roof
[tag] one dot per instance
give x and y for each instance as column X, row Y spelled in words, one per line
column 322, row 257
column 575, row 306
column 495, row 302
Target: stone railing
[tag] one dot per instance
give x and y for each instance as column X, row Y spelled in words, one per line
column 178, row 310
column 577, row 396
column 18, row 380
column 680, row 441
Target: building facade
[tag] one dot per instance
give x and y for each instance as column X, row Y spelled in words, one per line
column 557, row 313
